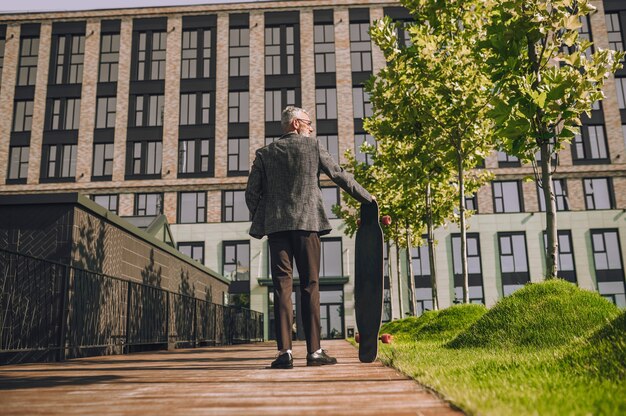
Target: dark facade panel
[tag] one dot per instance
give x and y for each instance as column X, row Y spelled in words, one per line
column 239, row 20
column 359, row 15
column 110, row 26
column 155, row 23
column 282, row 18
column 74, row 28
column 30, row 29
column 397, row 13
column 323, row 16
column 197, row 22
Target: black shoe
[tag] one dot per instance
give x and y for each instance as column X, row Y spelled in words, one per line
column 283, row 361
column 320, row 358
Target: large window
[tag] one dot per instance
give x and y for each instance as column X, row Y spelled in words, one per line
column 59, row 161
column 361, row 102
column 608, row 264
column 27, row 68
column 65, row 114
column 474, row 268
column 324, row 48
column 109, row 57
column 145, row 157
column 331, row 197
column 331, row 258
column 193, row 249
column 196, row 54
column 18, row 162
column 194, row 156
column 70, row 54
column 279, row 50
column 360, row 47
column 238, row 107
column 560, row 194
column 326, row 103
column 598, row 193
column 102, row 160
column 591, row 145
column 620, row 85
column 151, row 56
column 276, row 101
column 236, row 261
column 191, row 207
column 105, row 112
column 238, row 156
column 108, row 201
column 148, row 204
column 507, row 196
column 195, row 108
column 331, row 144
column 359, row 140
column 566, row 266
column 421, row 275
column 239, row 52
column 23, row 116
column 614, row 31
column 513, row 261
column 505, row 160
column 234, row 206
column 149, row 110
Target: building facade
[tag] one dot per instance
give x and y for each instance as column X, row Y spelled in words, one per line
column 160, row 110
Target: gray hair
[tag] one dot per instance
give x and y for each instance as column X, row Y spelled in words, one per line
column 289, row 113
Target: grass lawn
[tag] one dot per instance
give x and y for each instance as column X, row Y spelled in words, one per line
column 549, row 349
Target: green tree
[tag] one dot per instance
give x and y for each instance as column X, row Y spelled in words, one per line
column 545, row 77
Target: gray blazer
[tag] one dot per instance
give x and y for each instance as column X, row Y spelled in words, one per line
column 283, row 191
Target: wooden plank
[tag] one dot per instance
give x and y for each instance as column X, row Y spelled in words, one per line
column 232, row 380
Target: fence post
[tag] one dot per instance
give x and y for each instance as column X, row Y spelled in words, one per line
column 195, row 323
column 128, row 309
column 167, row 320
column 64, row 312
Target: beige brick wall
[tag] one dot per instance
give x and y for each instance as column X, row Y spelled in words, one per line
column 345, row 124
column 214, row 206
column 125, row 204
column 36, row 135
column 619, row 187
column 121, row 107
column 172, row 98
column 7, row 91
column 378, row 59
column 529, row 193
column 221, row 95
column 575, row 194
column 307, row 64
column 257, row 83
column 170, row 202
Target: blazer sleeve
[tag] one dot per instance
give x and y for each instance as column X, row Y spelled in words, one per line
column 344, row 179
column 254, row 189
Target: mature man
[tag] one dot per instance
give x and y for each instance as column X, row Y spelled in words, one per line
column 286, row 204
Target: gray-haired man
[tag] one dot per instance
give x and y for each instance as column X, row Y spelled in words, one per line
column 285, row 201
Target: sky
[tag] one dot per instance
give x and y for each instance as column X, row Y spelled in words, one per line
column 20, row 6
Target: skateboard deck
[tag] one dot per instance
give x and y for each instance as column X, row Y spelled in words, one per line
column 368, row 285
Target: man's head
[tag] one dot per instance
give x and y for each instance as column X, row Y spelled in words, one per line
column 296, row 119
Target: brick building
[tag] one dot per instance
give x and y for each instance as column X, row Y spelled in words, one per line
column 159, row 110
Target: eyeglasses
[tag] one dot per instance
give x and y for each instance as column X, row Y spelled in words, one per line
column 308, row 122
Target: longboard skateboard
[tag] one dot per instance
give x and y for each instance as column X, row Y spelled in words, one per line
column 368, row 285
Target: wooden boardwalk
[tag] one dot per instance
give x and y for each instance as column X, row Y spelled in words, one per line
column 230, row 380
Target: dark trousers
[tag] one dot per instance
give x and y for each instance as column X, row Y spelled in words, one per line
column 304, row 247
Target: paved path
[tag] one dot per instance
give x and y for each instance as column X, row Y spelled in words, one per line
column 230, row 380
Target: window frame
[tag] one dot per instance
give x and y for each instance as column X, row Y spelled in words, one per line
column 109, row 57
column 515, row 277
column 225, row 206
column 520, row 197
column 200, row 207
column 192, row 245
column 610, row 191
column 137, row 200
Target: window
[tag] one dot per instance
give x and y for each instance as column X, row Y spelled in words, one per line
column 109, row 57
column 238, row 155
column 404, row 38
column 331, row 144
column 505, row 160
column 145, row 157
column 191, row 207
column 27, row 68
column 193, row 249
column 614, row 31
column 331, row 258
column 23, row 116
column 105, row 112
column 471, row 203
column 361, row 102
column 560, row 193
column 270, row 140
column 324, row 48
column 149, row 110
column 102, row 159
column 148, row 204
column 239, row 52
column 65, row 114
column 506, row 196
column 238, row 110
column 421, row 274
column 236, row 261
column 513, row 261
column 474, row 269
column 620, row 85
column 276, row 101
column 359, row 140
column 151, row 56
column 70, row 54
column 194, row 156
column 196, row 54
column 598, row 193
column 566, row 266
column 591, row 145
column 279, row 50
column 195, row 108
column 60, row 161
column 584, row 33
column 326, row 103
column 2, row 45
column 360, row 47
column 18, row 162
column 608, row 265
column 234, row 207
column 107, row 201
column 331, row 197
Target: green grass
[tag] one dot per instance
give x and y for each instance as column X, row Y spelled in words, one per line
column 548, row 349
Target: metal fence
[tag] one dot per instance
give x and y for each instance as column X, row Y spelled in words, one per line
column 53, row 311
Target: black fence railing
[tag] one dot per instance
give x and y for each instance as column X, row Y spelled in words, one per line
column 52, row 311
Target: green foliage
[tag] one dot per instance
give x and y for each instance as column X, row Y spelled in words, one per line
column 542, row 315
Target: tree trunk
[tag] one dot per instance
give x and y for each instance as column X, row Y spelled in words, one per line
column 390, row 280
column 552, row 242
column 462, row 226
column 401, row 304
column 409, row 262
column 431, row 250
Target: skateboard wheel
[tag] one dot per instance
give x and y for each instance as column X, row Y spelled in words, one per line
column 358, row 222
column 386, row 338
column 357, row 337
column 386, row 220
